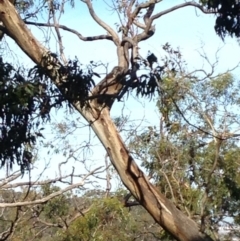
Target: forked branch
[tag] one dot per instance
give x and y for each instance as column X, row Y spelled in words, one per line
column 101, row 22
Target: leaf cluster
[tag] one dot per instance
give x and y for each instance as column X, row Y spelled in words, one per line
column 56, row 207
column 228, row 16
column 25, row 103
column 17, row 107
column 78, row 82
column 106, row 220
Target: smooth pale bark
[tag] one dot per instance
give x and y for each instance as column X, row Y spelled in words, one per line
column 161, row 209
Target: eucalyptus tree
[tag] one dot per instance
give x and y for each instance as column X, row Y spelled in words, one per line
column 94, row 101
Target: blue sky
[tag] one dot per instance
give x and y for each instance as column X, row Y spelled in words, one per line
column 186, row 28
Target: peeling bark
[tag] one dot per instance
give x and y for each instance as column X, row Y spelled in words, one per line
column 162, row 210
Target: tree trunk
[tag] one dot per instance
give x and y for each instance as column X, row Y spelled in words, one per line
column 160, row 208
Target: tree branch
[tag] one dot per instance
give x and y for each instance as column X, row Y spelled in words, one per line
column 147, row 27
column 149, row 30
column 37, row 183
column 139, row 25
column 9, row 179
column 143, row 6
column 63, row 27
column 101, row 22
column 146, row 34
column 182, row 5
column 59, row 37
column 51, row 196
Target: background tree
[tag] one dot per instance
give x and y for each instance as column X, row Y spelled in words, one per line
column 192, row 156
column 31, row 208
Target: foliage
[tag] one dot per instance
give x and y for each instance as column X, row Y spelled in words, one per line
column 106, row 220
column 227, row 21
column 18, row 107
column 56, row 207
column 26, row 102
column 192, row 157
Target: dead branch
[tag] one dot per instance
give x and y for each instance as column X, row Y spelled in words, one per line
column 9, row 179
column 38, row 183
column 51, row 196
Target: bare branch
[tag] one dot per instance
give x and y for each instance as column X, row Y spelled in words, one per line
column 129, row 40
column 101, row 22
column 9, row 179
column 143, row 6
column 79, row 214
column 146, row 34
column 149, row 13
column 51, row 196
column 149, row 30
column 58, row 225
column 108, row 176
column 139, row 25
column 61, row 49
column 182, row 5
column 63, row 27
